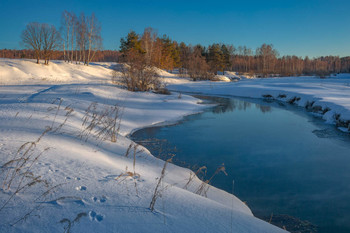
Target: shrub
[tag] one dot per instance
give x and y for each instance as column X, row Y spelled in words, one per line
column 136, row 75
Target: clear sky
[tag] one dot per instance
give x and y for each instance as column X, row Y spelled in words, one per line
column 294, row 27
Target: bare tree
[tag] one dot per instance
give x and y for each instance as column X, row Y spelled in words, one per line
column 32, row 38
column 65, row 32
column 197, row 67
column 81, row 37
column 93, row 37
column 68, row 30
column 73, row 23
column 50, row 41
column 148, row 41
column 267, row 56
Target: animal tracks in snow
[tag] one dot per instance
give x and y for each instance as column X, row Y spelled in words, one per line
column 81, row 188
column 95, row 216
column 103, row 199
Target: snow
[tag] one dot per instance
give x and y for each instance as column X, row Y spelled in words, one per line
column 221, row 78
column 92, row 175
column 14, row 71
column 331, row 94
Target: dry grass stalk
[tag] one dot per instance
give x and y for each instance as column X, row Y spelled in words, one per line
column 57, row 110
column 157, row 192
column 205, row 185
column 202, row 170
column 68, row 111
column 127, row 174
column 128, row 150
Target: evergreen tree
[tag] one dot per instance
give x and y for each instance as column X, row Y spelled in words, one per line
column 131, row 41
column 216, row 58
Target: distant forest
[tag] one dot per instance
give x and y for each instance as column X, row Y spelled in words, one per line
column 198, row 60
column 100, row 56
column 217, row 60
column 79, row 40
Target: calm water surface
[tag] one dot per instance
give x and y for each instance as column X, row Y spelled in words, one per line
column 282, row 159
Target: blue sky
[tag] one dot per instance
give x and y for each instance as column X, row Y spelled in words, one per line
column 309, row 27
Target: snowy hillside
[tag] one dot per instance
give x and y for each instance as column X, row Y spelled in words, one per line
column 62, row 171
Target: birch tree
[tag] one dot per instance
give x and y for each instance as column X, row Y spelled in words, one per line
column 68, row 31
column 93, row 37
column 81, row 37
column 148, row 41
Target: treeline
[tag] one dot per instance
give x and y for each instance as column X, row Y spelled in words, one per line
column 100, row 55
column 79, row 40
column 200, row 62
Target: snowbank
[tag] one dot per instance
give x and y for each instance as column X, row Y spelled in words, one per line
column 221, row 78
column 26, row 71
column 329, row 97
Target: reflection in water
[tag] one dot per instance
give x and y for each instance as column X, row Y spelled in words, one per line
column 263, row 108
column 230, row 105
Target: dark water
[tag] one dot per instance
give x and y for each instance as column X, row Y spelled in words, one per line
column 282, row 159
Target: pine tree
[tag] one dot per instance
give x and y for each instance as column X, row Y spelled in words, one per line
column 216, row 58
column 131, row 41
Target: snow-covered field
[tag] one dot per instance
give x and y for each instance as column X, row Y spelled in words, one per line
column 74, row 179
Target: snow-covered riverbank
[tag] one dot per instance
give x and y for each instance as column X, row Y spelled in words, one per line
column 329, row 98
column 97, row 185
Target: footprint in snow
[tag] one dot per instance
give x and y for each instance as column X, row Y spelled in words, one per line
column 101, row 200
column 81, row 188
column 95, row 216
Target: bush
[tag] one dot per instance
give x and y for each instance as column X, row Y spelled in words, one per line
column 136, row 75
column 140, row 79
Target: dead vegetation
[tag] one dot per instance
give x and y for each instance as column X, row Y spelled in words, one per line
column 102, row 124
column 205, row 185
column 201, row 171
column 158, row 191
column 18, row 176
column 136, row 75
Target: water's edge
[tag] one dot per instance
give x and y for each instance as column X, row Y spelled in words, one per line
column 281, row 221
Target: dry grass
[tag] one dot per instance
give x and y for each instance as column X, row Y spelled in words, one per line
column 132, row 175
column 102, row 124
column 157, row 191
column 202, row 170
column 205, row 185
column 18, row 176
